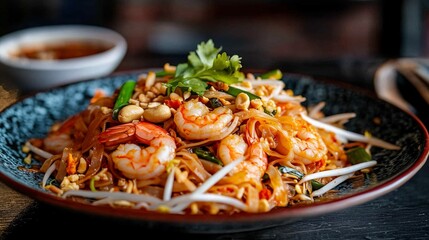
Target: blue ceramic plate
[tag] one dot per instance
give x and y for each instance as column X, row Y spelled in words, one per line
column 33, row 115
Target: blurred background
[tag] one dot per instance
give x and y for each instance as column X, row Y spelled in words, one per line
column 342, row 39
column 296, row 35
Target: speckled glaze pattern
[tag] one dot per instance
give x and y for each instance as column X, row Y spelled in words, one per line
column 33, row 115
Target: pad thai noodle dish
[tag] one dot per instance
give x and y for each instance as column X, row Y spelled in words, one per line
column 201, row 137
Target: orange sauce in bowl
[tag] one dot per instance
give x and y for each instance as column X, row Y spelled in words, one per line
column 61, row 50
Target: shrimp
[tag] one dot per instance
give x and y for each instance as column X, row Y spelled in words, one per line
column 134, row 161
column 304, row 140
column 195, row 121
column 234, row 146
column 55, row 143
column 60, row 135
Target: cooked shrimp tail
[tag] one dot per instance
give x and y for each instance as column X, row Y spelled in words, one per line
column 135, row 161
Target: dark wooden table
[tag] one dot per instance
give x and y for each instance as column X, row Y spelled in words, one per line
column 400, row 214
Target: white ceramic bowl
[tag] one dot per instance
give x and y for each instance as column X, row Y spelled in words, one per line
column 38, row 74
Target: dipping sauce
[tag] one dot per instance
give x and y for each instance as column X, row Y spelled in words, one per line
column 61, row 50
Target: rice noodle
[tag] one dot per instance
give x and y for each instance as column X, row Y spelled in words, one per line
column 95, row 163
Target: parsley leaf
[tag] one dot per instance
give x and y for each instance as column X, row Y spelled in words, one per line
column 206, row 64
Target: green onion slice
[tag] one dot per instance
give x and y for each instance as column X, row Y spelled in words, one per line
column 92, row 184
column 358, row 155
column 315, row 185
column 235, row 91
column 163, row 73
column 207, row 155
column 273, row 74
column 124, row 96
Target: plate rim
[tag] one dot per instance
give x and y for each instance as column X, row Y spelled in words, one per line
column 275, row 216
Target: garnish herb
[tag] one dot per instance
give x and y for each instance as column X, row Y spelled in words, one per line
column 358, row 155
column 124, row 96
column 206, row 64
column 204, row 153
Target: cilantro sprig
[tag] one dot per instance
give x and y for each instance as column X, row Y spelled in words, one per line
column 206, row 64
